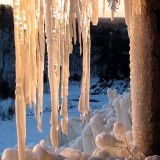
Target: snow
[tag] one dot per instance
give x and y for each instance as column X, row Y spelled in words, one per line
column 94, row 142
column 9, row 135
column 8, row 130
column 5, row 105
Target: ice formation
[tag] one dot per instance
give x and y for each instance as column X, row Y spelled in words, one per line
column 109, row 141
column 103, row 122
column 59, row 18
column 138, row 17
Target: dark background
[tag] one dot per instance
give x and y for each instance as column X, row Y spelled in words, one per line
column 109, row 54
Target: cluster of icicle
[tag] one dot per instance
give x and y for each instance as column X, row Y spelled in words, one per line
column 55, row 19
column 105, row 134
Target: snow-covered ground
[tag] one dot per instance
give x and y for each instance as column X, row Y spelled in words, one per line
column 8, row 134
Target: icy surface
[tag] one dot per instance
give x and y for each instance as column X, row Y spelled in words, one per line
column 33, row 137
column 109, row 141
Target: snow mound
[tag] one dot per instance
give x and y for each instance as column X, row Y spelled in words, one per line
column 105, row 134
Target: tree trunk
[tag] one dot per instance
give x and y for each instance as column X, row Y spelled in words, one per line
column 145, row 77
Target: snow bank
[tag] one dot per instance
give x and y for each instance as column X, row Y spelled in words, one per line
column 105, row 134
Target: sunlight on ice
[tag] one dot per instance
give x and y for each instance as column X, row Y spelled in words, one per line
column 59, row 18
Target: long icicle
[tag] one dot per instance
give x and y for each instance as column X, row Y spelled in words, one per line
column 41, row 53
column 95, row 12
column 19, row 101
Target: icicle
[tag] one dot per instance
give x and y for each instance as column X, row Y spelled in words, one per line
column 112, row 15
column 126, row 9
column 53, row 68
column 128, row 13
column 65, row 68
column 20, row 62
column 84, row 98
column 83, row 86
column 74, row 29
column 28, row 71
column 130, row 16
column 88, row 74
column 104, row 7
column 95, row 12
column 40, row 54
column 33, row 54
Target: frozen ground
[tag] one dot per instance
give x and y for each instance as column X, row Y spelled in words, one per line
column 8, row 135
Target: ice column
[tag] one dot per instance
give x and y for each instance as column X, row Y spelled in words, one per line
column 53, row 67
column 104, row 7
column 20, row 60
column 145, row 75
column 85, row 88
column 65, row 66
column 112, row 15
column 40, row 65
column 95, row 12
